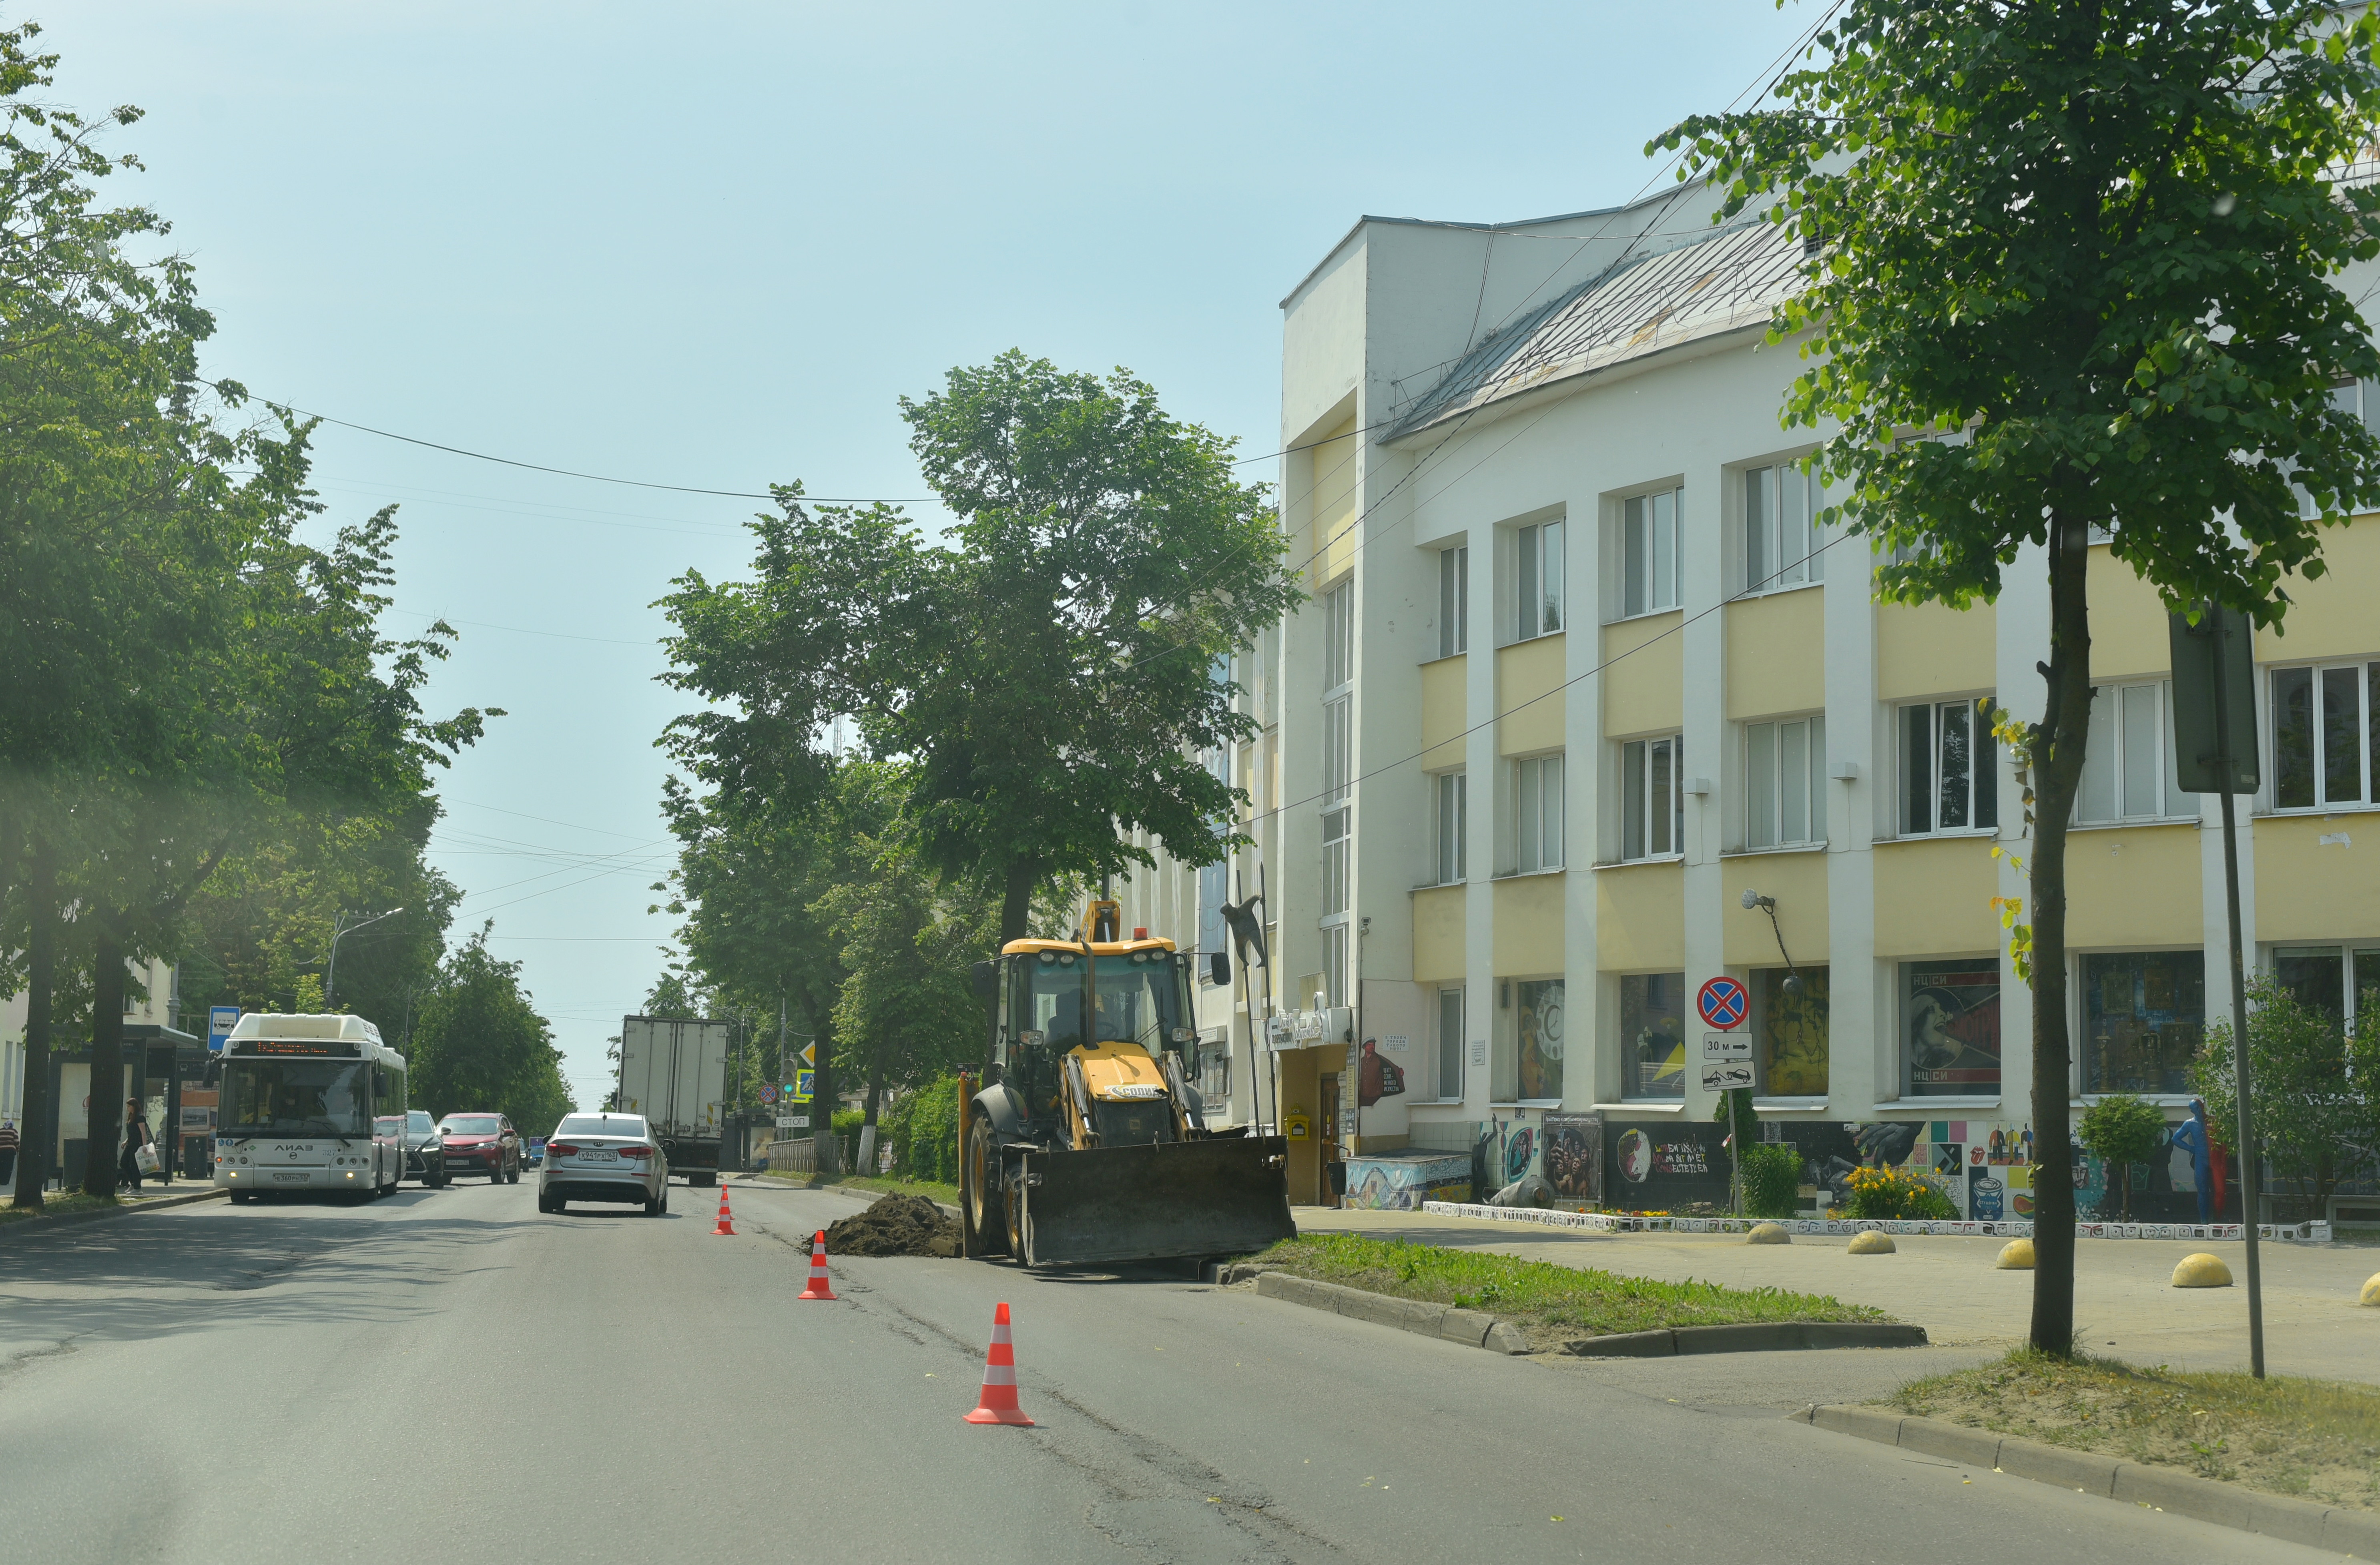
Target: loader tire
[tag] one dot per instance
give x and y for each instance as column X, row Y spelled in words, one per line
column 984, row 1217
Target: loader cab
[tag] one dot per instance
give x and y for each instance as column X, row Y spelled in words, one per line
column 1118, row 1006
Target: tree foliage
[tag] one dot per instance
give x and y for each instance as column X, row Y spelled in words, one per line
column 2121, row 1129
column 1044, row 672
column 479, row 1045
column 2072, row 268
column 2316, row 1103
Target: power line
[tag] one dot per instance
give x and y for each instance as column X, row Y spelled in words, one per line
column 591, row 477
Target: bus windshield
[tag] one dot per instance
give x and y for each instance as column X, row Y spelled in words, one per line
column 1139, row 1001
column 295, row 1097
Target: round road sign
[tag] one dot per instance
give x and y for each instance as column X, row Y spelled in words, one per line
column 1723, row 1003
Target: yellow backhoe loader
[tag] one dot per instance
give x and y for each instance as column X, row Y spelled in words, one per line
column 1088, row 1141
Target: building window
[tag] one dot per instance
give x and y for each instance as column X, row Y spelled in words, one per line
column 2143, row 1018
column 1653, row 800
column 1780, row 528
column 1949, row 770
column 1215, row 1078
column 1951, row 1028
column 1338, row 637
column 2327, row 979
column 1790, row 1031
column 1784, row 782
column 1450, row 1046
column 1649, row 552
column 1336, row 841
column 2128, row 771
column 1538, row 566
column 1452, row 828
column 1538, row 1068
column 1453, row 601
column 1653, row 1035
column 2325, row 730
column 1537, row 813
column 1214, row 887
column 1335, row 987
column 1338, row 749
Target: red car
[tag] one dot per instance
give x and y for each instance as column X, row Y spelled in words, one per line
column 482, row 1143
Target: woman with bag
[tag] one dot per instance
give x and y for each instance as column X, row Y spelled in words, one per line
column 137, row 1142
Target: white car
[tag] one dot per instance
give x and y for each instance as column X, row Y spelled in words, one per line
column 603, row 1158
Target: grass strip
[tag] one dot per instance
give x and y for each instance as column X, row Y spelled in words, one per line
column 946, row 1193
column 2316, row 1439
column 1551, row 1304
column 56, row 1205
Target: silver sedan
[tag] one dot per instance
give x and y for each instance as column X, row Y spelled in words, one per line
column 612, row 1157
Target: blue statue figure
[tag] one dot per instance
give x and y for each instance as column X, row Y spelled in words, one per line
column 2192, row 1138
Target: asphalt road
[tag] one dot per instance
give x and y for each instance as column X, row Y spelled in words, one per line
column 450, row 1375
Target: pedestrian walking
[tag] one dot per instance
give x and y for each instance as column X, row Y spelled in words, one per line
column 136, row 1137
column 7, row 1153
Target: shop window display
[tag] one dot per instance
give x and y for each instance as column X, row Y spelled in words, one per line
column 1951, row 1027
column 2143, row 1018
column 1791, row 1024
column 1652, row 1034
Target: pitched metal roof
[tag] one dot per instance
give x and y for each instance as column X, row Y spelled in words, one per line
column 1732, row 279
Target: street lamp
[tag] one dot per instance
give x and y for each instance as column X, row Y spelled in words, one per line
column 341, row 931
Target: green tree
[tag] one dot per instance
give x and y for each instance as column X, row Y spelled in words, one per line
column 479, row 1045
column 2316, row 1107
column 2121, row 1129
column 2072, row 268
column 1045, row 673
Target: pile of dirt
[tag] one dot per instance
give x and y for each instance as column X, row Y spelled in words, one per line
column 896, row 1225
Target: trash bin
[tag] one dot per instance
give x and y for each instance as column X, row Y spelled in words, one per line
column 196, row 1163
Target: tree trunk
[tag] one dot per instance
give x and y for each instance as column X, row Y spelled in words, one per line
column 105, row 1120
column 36, row 1130
column 1016, row 898
column 2058, row 772
column 867, row 1109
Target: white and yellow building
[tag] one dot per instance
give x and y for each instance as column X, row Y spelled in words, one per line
column 1579, row 675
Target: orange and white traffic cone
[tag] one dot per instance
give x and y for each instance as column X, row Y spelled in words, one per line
column 820, row 1287
column 726, row 1221
column 997, row 1404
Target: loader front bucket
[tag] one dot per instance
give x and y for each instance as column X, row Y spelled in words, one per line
column 1224, row 1196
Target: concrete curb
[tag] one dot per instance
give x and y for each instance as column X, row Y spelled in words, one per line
column 1750, row 1337
column 30, row 1226
column 2332, row 1528
column 1469, row 1327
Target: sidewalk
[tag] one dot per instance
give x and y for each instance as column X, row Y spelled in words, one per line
column 2124, row 1303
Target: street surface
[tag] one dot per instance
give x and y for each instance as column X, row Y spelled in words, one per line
column 450, row 1375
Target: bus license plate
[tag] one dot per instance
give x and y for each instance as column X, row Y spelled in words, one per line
column 292, row 1178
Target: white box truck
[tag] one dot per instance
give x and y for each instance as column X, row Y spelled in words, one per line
column 673, row 1071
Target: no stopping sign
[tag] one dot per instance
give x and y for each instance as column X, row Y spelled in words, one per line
column 1723, row 1003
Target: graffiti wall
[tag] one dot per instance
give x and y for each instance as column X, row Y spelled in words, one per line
column 1402, row 1181
column 1665, row 1167
column 1986, row 1168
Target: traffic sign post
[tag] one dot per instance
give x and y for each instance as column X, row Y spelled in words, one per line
column 805, row 1085
column 1727, row 1076
column 221, row 1020
column 1726, row 1045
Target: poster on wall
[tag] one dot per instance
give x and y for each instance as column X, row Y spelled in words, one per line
column 1575, row 1157
column 1951, row 1013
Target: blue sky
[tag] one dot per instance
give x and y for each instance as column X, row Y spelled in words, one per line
column 711, row 246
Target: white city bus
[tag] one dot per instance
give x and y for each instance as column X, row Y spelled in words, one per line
column 310, row 1103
